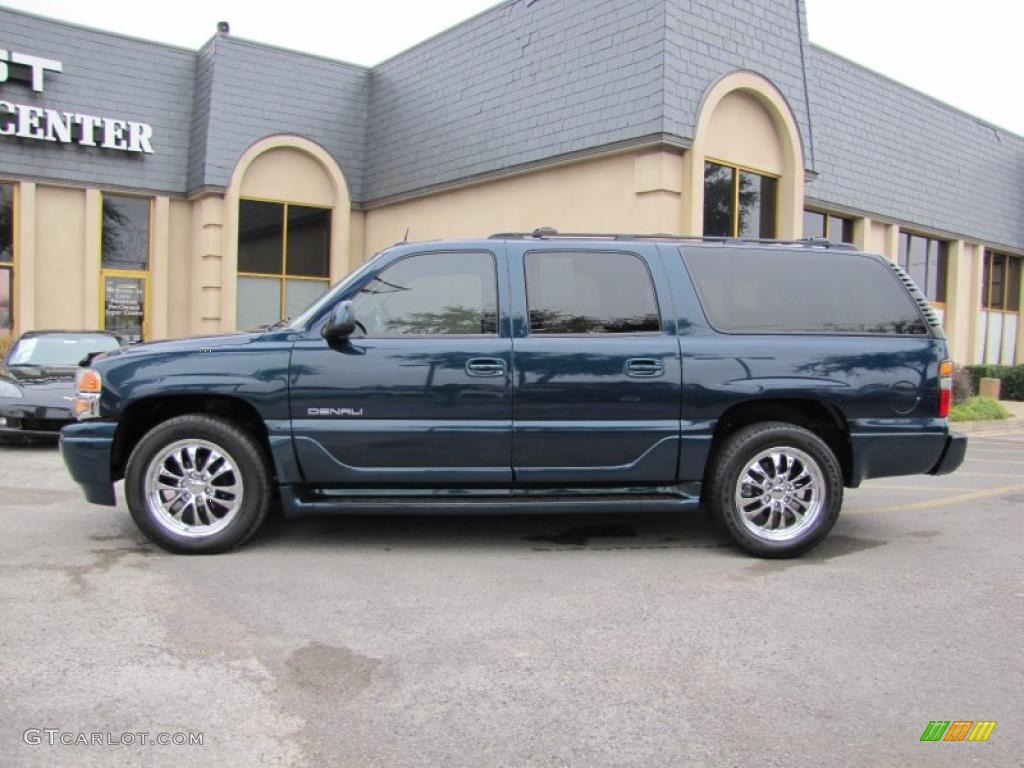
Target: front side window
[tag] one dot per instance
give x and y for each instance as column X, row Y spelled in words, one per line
column 924, row 259
column 431, row 294
column 738, row 203
column 589, row 292
column 756, row 290
column 827, row 226
column 283, row 260
column 6, row 258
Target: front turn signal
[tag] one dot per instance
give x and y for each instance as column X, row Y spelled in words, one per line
column 89, row 381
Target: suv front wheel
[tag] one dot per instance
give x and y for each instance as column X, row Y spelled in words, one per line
column 198, row 484
column 776, row 488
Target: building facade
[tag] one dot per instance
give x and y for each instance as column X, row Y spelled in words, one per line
column 162, row 192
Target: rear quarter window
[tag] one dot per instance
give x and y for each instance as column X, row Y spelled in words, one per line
column 754, row 290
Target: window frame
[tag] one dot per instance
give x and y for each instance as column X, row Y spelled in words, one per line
column 828, row 216
column 12, row 264
column 942, row 256
column 283, row 277
column 735, row 217
column 528, row 331
column 135, row 274
column 356, row 290
column 987, row 262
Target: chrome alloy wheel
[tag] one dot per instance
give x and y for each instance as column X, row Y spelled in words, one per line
column 780, row 493
column 193, row 488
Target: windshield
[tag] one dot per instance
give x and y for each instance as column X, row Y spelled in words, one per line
column 328, row 298
column 59, row 349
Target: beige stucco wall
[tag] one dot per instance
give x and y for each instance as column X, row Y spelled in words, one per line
column 628, row 192
column 285, row 173
column 742, row 132
column 179, row 274
column 59, row 258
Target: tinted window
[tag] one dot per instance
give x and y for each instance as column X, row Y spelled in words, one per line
column 754, row 290
column 6, row 298
column 308, row 241
column 431, row 294
column 924, row 259
column 590, row 292
column 718, row 200
column 6, row 222
column 260, row 236
column 125, row 232
column 757, row 206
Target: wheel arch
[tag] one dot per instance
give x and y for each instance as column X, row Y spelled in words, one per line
column 822, row 418
column 141, row 416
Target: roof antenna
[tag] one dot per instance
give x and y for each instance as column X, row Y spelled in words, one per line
column 406, row 238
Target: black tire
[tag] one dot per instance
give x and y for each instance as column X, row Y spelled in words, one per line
column 738, row 451
column 248, row 461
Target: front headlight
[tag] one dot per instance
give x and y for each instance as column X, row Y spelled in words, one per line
column 9, row 390
column 86, row 404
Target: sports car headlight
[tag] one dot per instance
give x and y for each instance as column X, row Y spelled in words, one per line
column 9, row 390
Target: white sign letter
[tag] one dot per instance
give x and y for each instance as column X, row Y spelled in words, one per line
column 39, row 65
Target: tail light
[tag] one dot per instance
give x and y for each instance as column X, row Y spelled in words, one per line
column 945, row 388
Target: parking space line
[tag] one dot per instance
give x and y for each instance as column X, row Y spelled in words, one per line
column 1001, row 461
column 942, row 502
column 988, row 474
column 927, row 488
column 1004, row 451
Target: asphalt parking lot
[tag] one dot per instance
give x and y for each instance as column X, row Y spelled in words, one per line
column 529, row 641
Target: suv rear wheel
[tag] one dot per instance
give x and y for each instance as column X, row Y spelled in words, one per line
column 198, row 484
column 776, row 488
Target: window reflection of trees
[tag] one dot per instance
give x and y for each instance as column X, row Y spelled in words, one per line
column 544, row 321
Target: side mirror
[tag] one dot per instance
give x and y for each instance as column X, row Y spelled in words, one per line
column 341, row 324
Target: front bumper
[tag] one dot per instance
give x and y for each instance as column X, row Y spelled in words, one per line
column 952, row 455
column 17, row 436
column 85, row 448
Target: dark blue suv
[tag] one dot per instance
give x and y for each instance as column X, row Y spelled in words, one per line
column 537, row 372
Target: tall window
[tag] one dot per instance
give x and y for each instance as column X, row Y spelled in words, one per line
column 827, row 226
column 738, row 203
column 1000, row 307
column 924, row 259
column 6, row 258
column 125, row 265
column 283, row 260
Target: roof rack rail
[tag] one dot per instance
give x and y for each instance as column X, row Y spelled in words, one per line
column 542, row 233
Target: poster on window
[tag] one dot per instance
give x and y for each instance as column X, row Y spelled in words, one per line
column 124, row 307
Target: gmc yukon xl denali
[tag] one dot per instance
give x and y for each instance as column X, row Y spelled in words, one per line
column 537, row 373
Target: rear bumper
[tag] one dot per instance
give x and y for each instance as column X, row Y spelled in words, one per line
column 952, row 455
column 86, row 448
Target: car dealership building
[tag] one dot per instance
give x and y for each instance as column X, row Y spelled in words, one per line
column 160, row 191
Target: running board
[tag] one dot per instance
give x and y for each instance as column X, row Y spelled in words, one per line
column 298, row 500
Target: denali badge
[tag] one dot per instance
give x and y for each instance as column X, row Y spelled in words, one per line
column 334, row 411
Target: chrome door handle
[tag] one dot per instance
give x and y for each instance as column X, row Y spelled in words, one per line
column 644, row 368
column 485, row 367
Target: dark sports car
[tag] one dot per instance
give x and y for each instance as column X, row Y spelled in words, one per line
column 37, row 382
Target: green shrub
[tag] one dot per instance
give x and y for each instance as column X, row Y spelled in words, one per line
column 963, row 387
column 979, row 409
column 1011, row 376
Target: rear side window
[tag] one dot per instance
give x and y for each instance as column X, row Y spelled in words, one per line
column 581, row 292
column 748, row 290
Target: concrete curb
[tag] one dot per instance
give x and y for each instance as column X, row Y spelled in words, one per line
column 996, row 425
